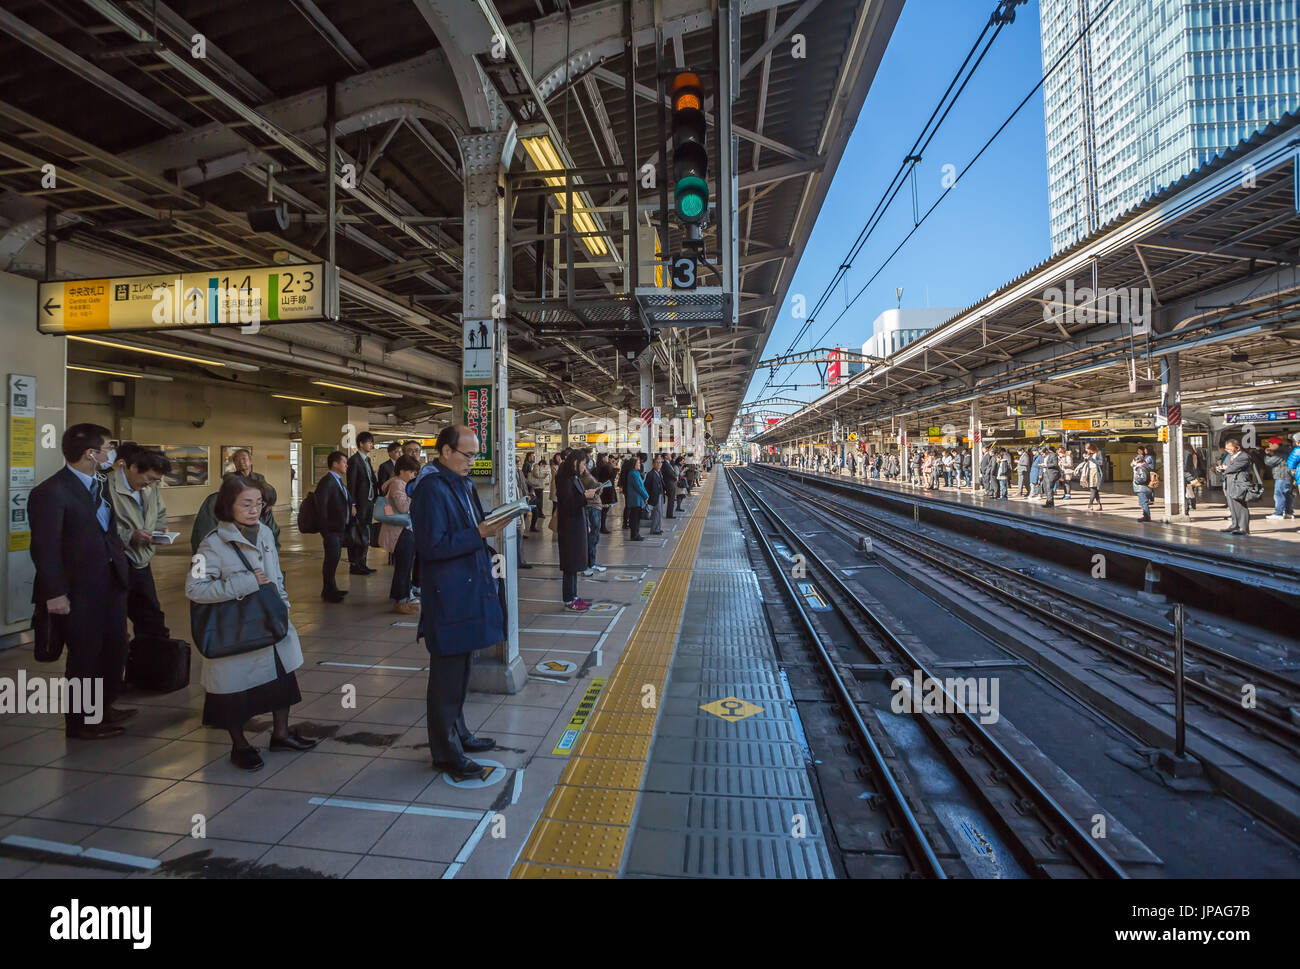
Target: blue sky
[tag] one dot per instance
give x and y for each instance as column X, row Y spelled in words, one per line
column 991, row 227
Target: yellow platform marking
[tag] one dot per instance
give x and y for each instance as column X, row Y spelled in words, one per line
column 584, row 828
column 731, row 708
column 573, row 730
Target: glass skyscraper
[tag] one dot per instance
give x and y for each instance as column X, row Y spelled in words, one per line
column 1156, row 89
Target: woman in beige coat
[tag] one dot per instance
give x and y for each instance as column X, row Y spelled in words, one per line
column 262, row 681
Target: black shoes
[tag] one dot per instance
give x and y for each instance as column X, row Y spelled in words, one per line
column 94, row 731
column 333, row 595
column 466, row 770
column 119, row 714
column 361, row 570
column 292, row 742
column 637, row 538
column 476, row 744
column 246, row 758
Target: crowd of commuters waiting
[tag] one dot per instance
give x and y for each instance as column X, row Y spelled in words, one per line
column 97, row 522
column 581, row 487
column 1041, row 472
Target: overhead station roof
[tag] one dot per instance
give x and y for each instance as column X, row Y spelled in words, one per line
column 161, row 153
column 1217, row 251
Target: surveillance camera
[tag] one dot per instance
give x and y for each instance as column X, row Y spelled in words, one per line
column 284, row 420
column 198, row 423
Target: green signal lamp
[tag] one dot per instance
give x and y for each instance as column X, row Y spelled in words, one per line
column 691, row 196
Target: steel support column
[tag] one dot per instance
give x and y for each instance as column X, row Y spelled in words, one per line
column 1174, row 490
column 647, row 367
column 500, row 669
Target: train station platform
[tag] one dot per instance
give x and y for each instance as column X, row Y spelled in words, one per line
column 608, row 761
column 1199, row 551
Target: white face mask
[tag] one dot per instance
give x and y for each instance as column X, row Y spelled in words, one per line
column 107, row 465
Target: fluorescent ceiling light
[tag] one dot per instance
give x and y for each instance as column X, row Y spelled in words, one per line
column 163, row 353
column 355, row 390
column 122, row 373
column 437, row 403
column 546, row 158
column 305, row 400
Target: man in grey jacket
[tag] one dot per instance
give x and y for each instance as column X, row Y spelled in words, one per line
column 137, row 502
column 1237, row 479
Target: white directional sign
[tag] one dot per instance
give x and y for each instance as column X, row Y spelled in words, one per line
column 249, row 296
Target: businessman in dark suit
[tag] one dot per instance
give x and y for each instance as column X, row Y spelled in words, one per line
column 364, row 489
column 389, row 467
column 333, row 510
column 82, row 573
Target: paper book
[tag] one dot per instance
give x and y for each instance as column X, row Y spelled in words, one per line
column 511, row 509
column 165, row 538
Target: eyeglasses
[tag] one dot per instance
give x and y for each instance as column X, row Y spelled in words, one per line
column 250, row 504
column 469, row 454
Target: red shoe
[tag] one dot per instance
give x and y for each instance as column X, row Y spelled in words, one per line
column 577, row 605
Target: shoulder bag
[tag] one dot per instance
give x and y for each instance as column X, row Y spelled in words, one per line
column 222, row 629
column 1255, row 489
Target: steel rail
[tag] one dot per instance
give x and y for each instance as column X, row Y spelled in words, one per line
column 923, row 854
column 1085, row 850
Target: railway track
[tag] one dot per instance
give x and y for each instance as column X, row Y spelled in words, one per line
column 1045, row 840
column 1216, row 679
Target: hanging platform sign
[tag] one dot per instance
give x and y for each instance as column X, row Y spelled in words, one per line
column 247, row 297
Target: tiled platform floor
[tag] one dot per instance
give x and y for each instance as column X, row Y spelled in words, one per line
column 365, row 802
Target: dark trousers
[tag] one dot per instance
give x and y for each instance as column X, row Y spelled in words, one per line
column 96, row 636
column 445, row 699
column 569, row 587
column 594, row 516
column 403, row 559
column 634, row 515
column 333, row 542
column 357, row 553
column 604, row 516
column 1094, row 494
column 670, row 499
column 147, row 620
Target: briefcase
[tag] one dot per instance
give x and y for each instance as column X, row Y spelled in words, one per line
column 161, row 665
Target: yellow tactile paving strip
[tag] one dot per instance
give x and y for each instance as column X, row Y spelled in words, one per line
column 584, row 827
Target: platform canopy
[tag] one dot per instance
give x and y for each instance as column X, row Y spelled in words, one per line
column 167, row 123
column 1205, row 271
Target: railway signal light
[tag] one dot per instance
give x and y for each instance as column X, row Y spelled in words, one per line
column 690, row 158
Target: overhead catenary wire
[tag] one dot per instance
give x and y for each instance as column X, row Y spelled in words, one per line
column 923, row 139
column 987, row 144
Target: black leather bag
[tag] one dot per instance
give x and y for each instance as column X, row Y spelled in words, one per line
column 162, row 665
column 356, row 535
column 222, row 629
column 50, row 634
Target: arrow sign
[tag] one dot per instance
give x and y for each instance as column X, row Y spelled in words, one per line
column 557, row 667
column 50, row 306
column 20, row 499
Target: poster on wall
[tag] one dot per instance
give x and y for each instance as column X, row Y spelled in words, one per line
column 228, row 456
column 320, row 454
column 478, row 417
column 189, row 464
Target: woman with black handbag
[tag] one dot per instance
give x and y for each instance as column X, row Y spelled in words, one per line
column 239, row 616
